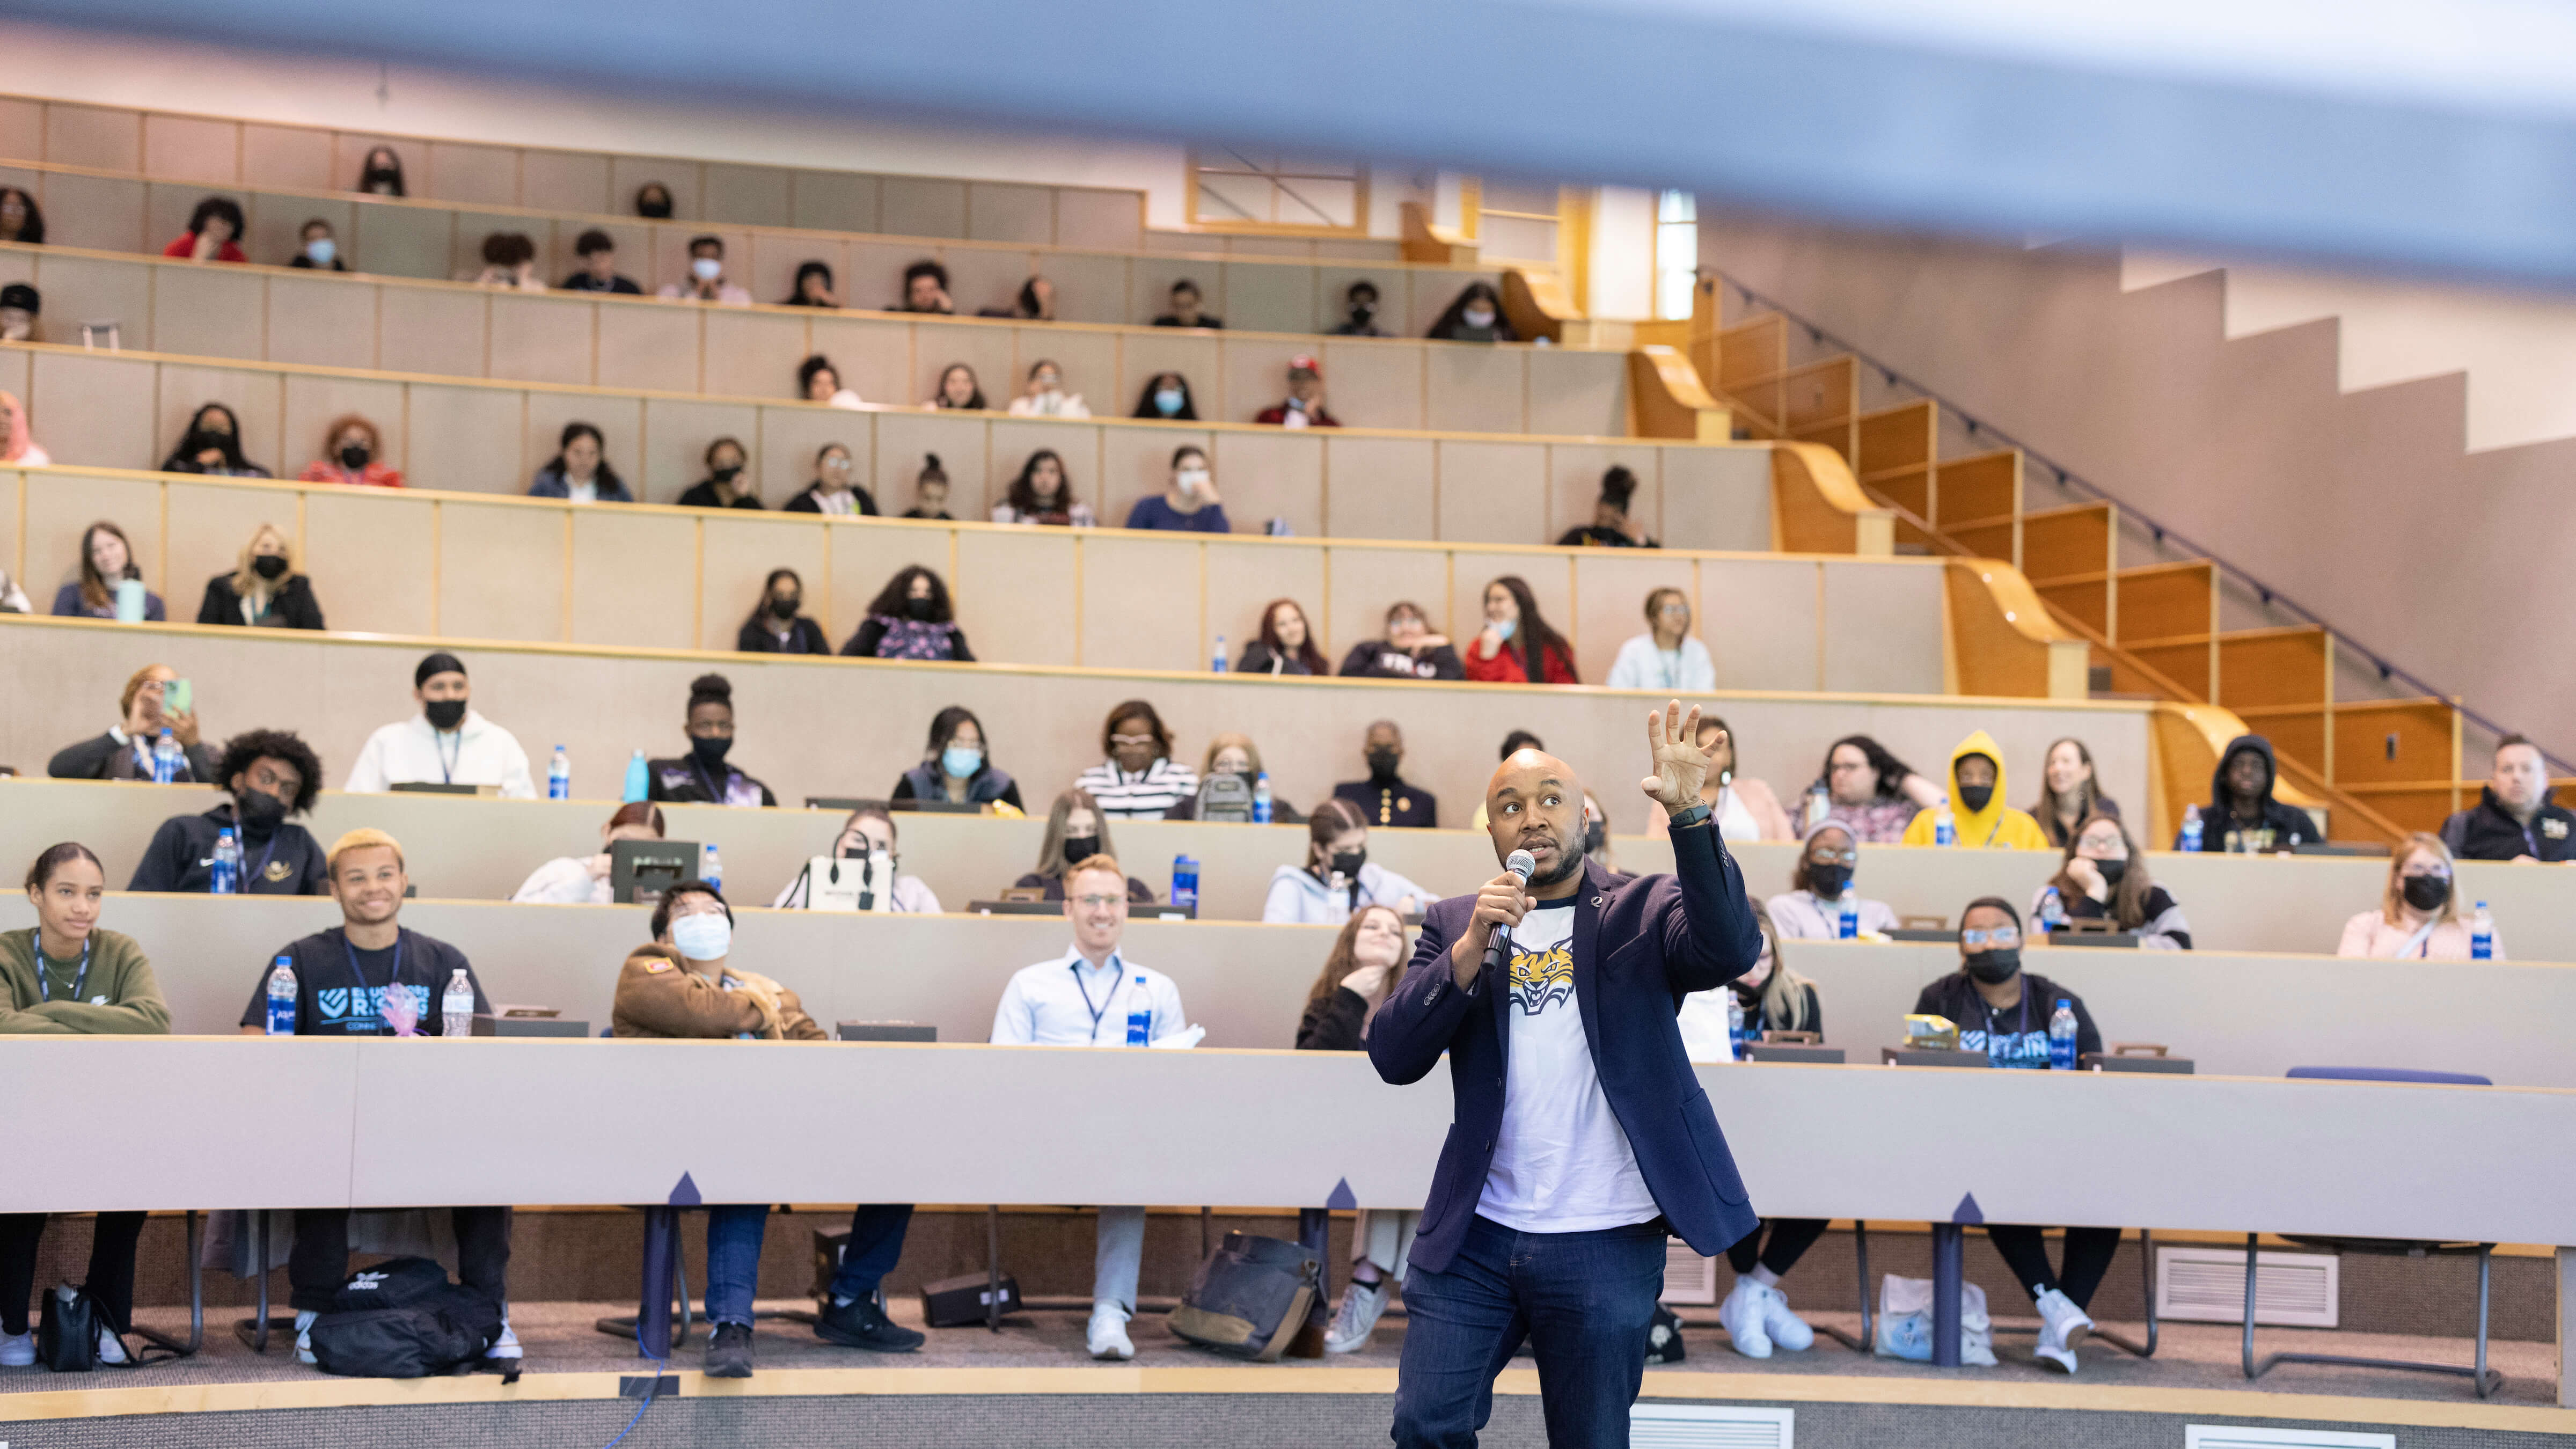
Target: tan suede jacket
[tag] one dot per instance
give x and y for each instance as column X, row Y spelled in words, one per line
column 659, row 996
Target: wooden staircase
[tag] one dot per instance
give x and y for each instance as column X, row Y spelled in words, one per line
column 2381, row 767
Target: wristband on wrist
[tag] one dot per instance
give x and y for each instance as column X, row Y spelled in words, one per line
column 1695, row 815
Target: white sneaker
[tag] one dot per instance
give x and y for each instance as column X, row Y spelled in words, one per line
column 1107, row 1337
column 1363, row 1304
column 304, row 1335
column 506, row 1346
column 1741, row 1316
column 111, row 1349
column 1786, row 1329
column 18, row 1350
column 2062, row 1327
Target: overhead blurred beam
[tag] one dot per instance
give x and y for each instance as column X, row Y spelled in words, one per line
column 2434, row 139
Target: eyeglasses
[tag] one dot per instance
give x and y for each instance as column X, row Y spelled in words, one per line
column 1099, row 903
column 1999, row 936
column 1118, row 741
column 1846, row 857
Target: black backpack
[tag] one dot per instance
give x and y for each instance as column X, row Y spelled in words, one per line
column 402, row 1319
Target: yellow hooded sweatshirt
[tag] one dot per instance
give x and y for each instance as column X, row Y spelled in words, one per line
column 1997, row 827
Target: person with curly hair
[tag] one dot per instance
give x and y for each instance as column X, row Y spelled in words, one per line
column 702, row 776
column 271, row 775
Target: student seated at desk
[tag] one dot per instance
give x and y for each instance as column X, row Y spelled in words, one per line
column 271, row 775
column 1338, row 878
column 1364, row 964
column 583, row 880
column 868, row 831
column 1981, row 818
column 125, row 751
column 337, row 994
column 686, row 983
column 2419, row 910
column 956, row 765
column 1094, row 996
column 448, row 741
column 701, row 777
column 1811, row 908
column 2514, row 818
column 1756, row 1313
column 2003, row 1011
column 2105, row 879
column 64, row 976
column 1076, row 831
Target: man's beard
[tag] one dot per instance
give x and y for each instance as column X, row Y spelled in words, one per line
column 1567, row 866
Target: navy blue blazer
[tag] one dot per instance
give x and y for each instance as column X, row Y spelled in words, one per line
column 1640, row 945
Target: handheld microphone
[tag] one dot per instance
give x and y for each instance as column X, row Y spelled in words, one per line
column 1519, row 863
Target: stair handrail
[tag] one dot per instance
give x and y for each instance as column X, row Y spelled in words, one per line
column 2069, row 478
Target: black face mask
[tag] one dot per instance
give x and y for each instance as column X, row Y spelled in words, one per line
column 2425, row 892
column 1079, row 848
column 1347, row 863
column 725, row 475
column 354, row 456
column 1997, row 966
column 784, row 608
column 2112, row 870
column 1595, row 834
column 1382, row 763
column 1826, row 880
column 270, row 566
column 1361, row 312
column 710, row 752
column 1976, row 797
column 204, row 438
column 921, row 611
column 372, row 178
column 444, row 714
column 657, row 209
column 259, row 812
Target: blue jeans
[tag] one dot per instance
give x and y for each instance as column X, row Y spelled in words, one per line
column 733, row 1254
column 1583, row 1300
column 734, row 1234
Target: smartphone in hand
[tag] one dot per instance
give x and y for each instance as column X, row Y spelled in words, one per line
column 180, row 697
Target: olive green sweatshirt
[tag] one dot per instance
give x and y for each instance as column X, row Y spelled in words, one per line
column 119, row 998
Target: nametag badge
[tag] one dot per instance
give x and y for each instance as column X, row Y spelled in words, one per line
column 2554, row 829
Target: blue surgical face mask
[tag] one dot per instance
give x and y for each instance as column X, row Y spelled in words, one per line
column 704, row 937
column 1168, row 400
column 1504, row 629
column 321, row 249
column 961, row 760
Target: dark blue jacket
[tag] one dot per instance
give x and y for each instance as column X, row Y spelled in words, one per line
column 1640, row 945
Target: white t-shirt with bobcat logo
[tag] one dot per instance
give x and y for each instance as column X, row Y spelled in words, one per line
column 1561, row 1163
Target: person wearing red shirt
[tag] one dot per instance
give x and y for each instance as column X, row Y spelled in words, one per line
column 354, row 456
column 214, row 231
column 1304, row 407
column 1513, row 635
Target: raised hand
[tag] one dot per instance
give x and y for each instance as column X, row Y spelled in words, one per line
column 1680, row 765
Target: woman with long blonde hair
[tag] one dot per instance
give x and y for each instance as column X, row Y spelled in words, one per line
column 2419, row 909
column 265, row 590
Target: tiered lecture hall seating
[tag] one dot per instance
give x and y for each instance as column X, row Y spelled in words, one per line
column 583, row 626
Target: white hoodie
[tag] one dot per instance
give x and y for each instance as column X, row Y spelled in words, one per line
column 1297, row 898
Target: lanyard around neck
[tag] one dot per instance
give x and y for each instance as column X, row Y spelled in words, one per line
column 45, row 978
column 390, row 977
column 1108, row 998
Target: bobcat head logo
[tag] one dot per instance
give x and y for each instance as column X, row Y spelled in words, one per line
column 1542, row 979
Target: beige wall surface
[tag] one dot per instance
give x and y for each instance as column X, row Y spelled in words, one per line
column 127, row 410
column 278, row 314
column 1099, row 277
column 848, row 727
column 483, row 849
column 478, row 566
column 2249, row 447
column 2189, row 1153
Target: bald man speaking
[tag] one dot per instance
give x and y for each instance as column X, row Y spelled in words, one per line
column 1580, row 1136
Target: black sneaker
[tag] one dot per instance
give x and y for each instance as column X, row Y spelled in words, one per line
column 859, row 1323
column 729, row 1352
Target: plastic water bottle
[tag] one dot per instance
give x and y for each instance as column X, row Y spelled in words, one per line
column 2061, row 1037
column 1185, row 881
column 1261, row 798
column 1734, row 1025
column 2052, row 911
column 2191, row 827
column 559, row 776
column 1140, row 1024
column 1216, row 663
column 2481, row 934
column 638, row 780
column 281, row 997
column 1820, row 804
column 1945, row 826
column 710, row 868
column 166, row 758
column 225, row 878
column 1847, row 922
column 456, row 1006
